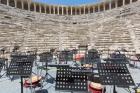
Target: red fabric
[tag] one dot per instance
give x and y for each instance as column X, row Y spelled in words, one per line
column 28, row 85
column 92, row 90
column 78, row 57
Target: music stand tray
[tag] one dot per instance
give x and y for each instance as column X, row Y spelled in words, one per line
column 70, row 81
column 115, row 74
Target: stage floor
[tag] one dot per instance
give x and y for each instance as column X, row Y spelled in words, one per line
column 8, row 86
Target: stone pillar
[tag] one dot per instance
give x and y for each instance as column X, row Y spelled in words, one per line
column 7, row 2
column 104, row 6
column 88, row 9
column 15, row 3
column 62, row 10
column 98, row 7
column 93, row 8
column 29, row 3
column 71, row 10
column 58, row 10
column 50, row 10
column 22, row 4
column 84, row 9
column 67, row 10
column 45, row 9
column 79, row 10
column 109, row 5
column 54, row 10
column 123, row 2
column 34, row 7
column 130, row 1
column 40, row 8
column 116, row 3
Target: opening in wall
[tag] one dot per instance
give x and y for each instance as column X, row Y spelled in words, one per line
column 42, row 8
column 56, row 10
column 82, row 10
column 4, row 2
column 25, row 5
column 101, row 7
column 60, row 10
column 86, row 10
column 91, row 9
column 96, row 8
column 73, row 10
column 47, row 9
column 127, row 2
column 78, row 11
column 112, row 4
column 37, row 8
column 69, row 10
column 120, row 3
column 65, row 11
column 32, row 7
column 52, row 11
column 19, row 5
column 107, row 6
column 12, row 3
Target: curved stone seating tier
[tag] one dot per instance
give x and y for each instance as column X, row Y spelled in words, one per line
column 118, row 27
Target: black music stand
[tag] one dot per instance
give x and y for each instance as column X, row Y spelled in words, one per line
column 20, row 66
column 70, row 81
column 93, row 56
column 1, row 66
column 115, row 74
column 47, row 58
column 117, row 57
column 65, row 55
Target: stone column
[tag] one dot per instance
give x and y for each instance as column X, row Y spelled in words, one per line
column 22, row 4
column 93, row 8
column 58, row 10
column 104, row 6
column 84, row 9
column 53, row 9
column 29, row 3
column 130, row 1
column 15, row 3
column 109, row 5
column 34, row 7
column 71, row 10
column 50, row 10
column 98, row 7
column 7, row 2
column 116, row 4
column 40, row 8
column 67, row 11
column 123, row 2
column 79, row 10
column 89, row 9
column 45, row 9
column 62, row 10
